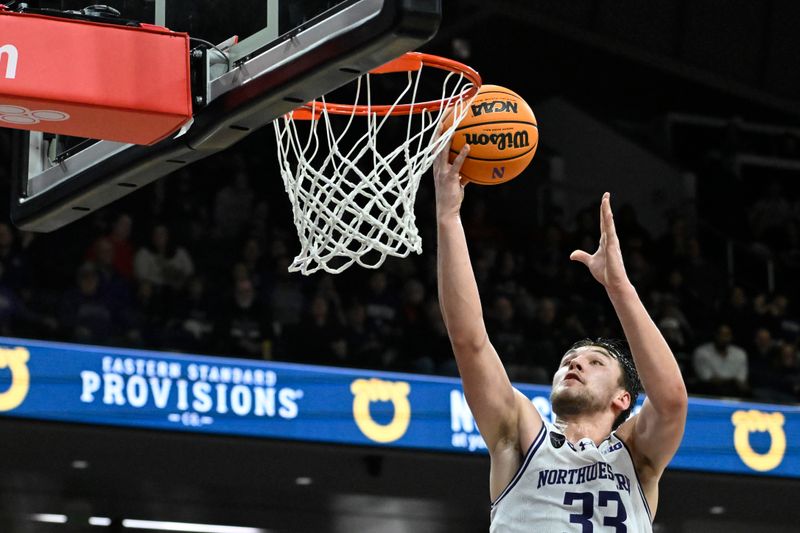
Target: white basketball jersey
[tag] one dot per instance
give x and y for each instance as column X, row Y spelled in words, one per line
column 566, row 488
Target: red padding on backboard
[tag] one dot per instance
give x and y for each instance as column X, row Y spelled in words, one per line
column 85, row 79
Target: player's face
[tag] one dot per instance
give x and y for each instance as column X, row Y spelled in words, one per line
column 587, row 381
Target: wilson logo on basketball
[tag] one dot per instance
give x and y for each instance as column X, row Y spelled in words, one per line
column 494, row 106
column 16, row 361
column 10, row 53
column 367, row 391
column 503, row 141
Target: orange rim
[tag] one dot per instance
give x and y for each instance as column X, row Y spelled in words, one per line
column 408, row 62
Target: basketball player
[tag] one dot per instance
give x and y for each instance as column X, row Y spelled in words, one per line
column 592, row 470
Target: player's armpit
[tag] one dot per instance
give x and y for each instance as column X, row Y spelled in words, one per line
column 653, row 438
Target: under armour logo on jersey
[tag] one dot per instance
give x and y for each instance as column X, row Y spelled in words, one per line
column 14, row 114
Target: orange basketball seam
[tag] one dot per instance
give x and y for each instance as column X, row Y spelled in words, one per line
column 479, row 124
column 515, row 95
column 501, row 159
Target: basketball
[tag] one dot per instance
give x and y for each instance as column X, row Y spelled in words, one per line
column 502, row 133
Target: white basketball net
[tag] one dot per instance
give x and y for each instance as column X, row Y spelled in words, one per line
column 351, row 202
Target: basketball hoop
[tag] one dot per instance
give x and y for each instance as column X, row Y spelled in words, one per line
column 352, row 191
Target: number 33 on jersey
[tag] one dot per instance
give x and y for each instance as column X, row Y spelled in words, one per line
column 565, row 488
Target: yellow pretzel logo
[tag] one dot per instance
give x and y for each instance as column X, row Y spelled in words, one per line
column 745, row 423
column 366, row 391
column 15, row 359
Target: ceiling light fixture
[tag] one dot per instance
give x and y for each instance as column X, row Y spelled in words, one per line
column 49, row 518
column 99, row 521
column 187, row 526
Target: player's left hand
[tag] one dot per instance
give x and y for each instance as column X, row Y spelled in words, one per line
column 448, row 183
column 606, row 263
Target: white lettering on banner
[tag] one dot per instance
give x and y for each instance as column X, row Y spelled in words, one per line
column 194, row 389
column 160, row 390
column 460, row 414
column 463, row 425
column 10, row 52
column 90, row 383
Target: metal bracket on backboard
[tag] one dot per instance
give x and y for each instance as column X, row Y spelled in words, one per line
column 264, row 83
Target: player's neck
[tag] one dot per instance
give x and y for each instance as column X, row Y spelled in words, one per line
column 577, row 427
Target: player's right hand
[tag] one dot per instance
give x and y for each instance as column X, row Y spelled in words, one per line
column 449, row 186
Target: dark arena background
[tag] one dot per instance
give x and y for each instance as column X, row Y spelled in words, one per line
column 181, row 379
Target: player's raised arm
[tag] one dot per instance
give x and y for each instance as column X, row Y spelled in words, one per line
column 655, row 433
column 495, row 404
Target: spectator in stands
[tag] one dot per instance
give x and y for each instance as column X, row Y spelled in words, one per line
column 785, row 326
column 123, row 250
column 635, row 236
column 761, row 357
column 737, row 311
column 191, row 328
column 780, row 380
column 673, row 247
column 115, row 288
column 314, row 340
column 677, row 330
column 143, row 321
column 414, row 328
column 10, row 307
column 788, row 372
column 720, row 366
column 510, row 337
column 508, row 283
column 326, row 288
column 12, row 260
column 546, row 337
column 162, row 263
column 381, row 306
column 284, row 295
column 365, row 348
column 233, row 205
column 639, row 270
column 252, row 258
column 85, row 315
column 547, row 261
column 433, row 353
column 243, row 325
column 769, row 215
column 789, row 256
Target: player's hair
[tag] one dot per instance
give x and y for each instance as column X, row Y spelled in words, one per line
column 629, row 379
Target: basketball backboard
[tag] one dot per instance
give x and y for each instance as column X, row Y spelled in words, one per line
column 285, row 53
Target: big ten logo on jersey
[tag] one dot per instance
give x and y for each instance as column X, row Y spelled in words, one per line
column 9, row 54
column 494, row 106
column 368, row 391
column 15, row 361
column 754, row 421
column 462, row 424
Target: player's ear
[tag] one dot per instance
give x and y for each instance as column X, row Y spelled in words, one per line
column 622, row 400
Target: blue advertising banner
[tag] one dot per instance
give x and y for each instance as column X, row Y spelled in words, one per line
column 141, row 389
